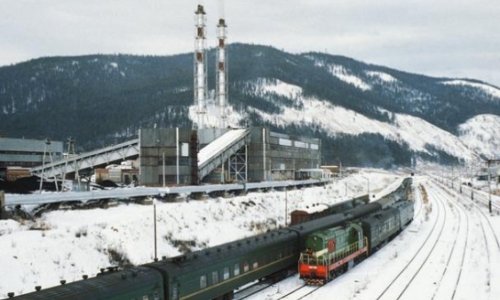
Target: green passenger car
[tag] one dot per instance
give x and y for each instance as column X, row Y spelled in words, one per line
column 136, row 283
column 214, row 273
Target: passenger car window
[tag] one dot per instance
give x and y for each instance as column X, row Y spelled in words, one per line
column 245, row 267
column 255, row 265
column 226, row 273
column 175, row 294
column 156, row 296
column 203, row 281
column 215, row 277
column 236, row 269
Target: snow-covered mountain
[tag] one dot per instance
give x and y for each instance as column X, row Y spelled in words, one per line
column 481, row 134
column 307, row 111
column 364, row 113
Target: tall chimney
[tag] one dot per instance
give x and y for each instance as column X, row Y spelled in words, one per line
column 200, row 66
column 221, row 88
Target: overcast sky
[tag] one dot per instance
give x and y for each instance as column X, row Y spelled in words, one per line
column 453, row 38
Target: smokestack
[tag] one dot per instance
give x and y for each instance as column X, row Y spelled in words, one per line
column 200, row 65
column 221, row 75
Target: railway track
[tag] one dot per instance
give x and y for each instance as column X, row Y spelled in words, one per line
column 390, row 292
column 489, row 245
column 251, row 290
column 301, row 292
column 477, row 195
column 446, row 261
column 478, row 208
column 461, row 211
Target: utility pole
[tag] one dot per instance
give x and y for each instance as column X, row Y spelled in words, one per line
column 2, row 204
column 286, row 206
column 489, row 180
column 368, row 185
column 489, row 185
column 163, row 168
column 154, row 220
column 452, row 176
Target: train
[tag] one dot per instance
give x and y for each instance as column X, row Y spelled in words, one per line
column 216, row 272
column 333, row 251
column 403, row 191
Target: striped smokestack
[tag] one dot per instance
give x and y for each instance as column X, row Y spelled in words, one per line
column 221, row 88
column 200, row 66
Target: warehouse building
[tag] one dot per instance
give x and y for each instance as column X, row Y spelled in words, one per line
column 27, row 152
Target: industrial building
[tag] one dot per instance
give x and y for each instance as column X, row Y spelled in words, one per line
column 168, row 156
column 210, row 152
column 27, row 152
column 171, row 156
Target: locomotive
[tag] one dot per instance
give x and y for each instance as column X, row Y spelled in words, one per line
column 332, row 251
column 214, row 273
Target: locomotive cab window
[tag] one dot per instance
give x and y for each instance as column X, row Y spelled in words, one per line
column 226, row 273
column 236, row 269
column 203, row 281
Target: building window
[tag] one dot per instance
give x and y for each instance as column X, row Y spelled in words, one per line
column 284, row 142
column 226, row 273
column 215, row 277
column 203, row 281
column 185, row 149
column 236, row 269
column 301, row 145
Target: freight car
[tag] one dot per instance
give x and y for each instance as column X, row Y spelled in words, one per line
column 301, row 216
column 211, row 273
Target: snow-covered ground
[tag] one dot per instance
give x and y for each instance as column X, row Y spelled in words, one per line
column 68, row 244
column 450, row 251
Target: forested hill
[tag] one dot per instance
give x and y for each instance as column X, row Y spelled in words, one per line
column 365, row 114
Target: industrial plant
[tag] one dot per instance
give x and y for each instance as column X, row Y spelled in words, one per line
column 214, row 150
